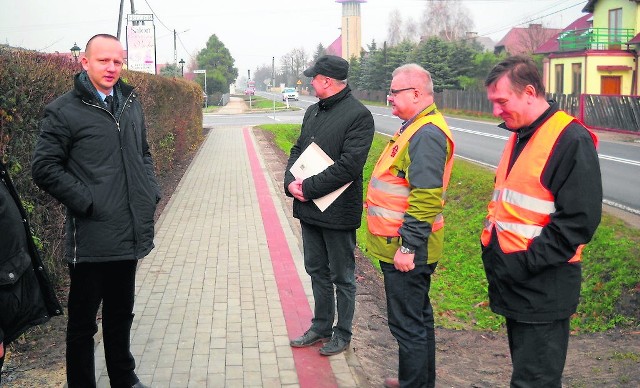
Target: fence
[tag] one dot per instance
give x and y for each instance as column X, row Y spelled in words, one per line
column 611, row 112
column 615, row 113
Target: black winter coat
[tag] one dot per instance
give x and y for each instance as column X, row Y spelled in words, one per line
column 26, row 296
column 100, row 167
column 539, row 285
column 343, row 127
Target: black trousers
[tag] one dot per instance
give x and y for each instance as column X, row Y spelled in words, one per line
column 329, row 259
column 113, row 284
column 538, row 352
column 411, row 322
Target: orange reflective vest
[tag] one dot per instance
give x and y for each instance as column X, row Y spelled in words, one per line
column 387, row 194
column 521, row 206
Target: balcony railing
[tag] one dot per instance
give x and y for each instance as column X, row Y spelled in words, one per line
column 595, row 39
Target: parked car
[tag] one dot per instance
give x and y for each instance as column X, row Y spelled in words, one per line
column 249, row 92
column 289, row 94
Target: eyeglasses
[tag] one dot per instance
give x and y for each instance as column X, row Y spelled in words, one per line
column 394, row 92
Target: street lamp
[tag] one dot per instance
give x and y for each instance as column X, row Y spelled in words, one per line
column 181, row 67
column 75, row 51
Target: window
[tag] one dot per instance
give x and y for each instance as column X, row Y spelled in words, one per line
column 615, row 25
column 576, row 78
column 559, row 79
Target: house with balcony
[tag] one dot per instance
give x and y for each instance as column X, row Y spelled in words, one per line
column 596, row 54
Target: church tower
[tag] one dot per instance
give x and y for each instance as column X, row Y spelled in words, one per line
column 351, row 28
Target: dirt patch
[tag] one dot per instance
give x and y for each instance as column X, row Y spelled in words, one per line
column 621, row 137
column 465, row 358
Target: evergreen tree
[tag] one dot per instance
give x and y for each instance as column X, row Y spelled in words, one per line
column 219, row 64
column 170, row 70
column 320, row 51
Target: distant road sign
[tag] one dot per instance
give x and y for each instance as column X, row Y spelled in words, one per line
column 299, row 82
column 200, row 72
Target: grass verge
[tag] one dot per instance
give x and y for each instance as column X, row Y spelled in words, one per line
column 611, row 268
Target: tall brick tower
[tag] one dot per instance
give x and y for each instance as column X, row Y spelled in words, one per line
column 351, row 28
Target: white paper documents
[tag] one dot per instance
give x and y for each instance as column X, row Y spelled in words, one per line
column 311, row 162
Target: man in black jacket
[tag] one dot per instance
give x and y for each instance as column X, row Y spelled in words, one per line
column 93, row 156
column 26, row 295
column 343, row 128
column 546, row 205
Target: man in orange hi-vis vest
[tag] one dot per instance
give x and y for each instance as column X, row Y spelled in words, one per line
column 545, row 207
column 404, row 206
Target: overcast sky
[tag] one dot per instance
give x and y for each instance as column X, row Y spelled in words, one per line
column 254, row 31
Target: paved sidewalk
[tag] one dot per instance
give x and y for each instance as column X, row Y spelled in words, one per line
column 225, row 288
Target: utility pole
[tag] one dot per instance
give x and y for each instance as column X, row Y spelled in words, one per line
column 133, row 11
column 273, row 83
column 120, row 19
column 175, row 51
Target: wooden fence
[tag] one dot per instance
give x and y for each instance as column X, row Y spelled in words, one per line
column 611, row 112
column 614, row 113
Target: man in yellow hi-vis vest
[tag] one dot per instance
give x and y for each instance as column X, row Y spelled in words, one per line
column 404, row 204
column 546, row 205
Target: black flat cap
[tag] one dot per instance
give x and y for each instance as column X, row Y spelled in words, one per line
column 330, row 66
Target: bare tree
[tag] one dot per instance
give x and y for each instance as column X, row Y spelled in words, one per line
column 533, row 37
column 401, row 30
column 262, row 76
column 448, row 20
column 394, row 33
column 300, row 61
column 293, row 64
column 411, row 31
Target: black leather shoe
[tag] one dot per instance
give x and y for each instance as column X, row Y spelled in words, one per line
column 335, row 346
column 139, row 385
column 309, row 338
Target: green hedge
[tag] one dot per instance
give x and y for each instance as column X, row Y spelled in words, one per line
column 29, row 81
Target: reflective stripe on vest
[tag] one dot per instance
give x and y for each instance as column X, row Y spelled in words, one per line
column 387, row 194
column 521, row 206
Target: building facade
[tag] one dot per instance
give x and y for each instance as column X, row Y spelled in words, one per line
column 598, row 53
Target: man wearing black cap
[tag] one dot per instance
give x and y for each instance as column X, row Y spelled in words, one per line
column 343, row 128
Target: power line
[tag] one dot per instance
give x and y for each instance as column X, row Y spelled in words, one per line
column 156, row 16
column 526, row 20
column 185, row 49
column 171, row 30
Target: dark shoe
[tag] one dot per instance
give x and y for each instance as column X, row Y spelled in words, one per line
column 391, row 382
column 335, row 346
column 139, row 385
column 309, row 338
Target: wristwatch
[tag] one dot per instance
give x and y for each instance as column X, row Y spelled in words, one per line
column 405, row 250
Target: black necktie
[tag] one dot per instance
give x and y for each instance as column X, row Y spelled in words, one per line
column 109, row 101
